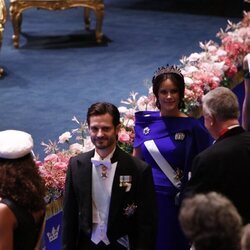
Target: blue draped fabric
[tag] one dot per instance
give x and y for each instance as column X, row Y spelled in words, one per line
column 178, row 139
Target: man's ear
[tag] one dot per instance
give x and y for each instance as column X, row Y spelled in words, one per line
column 212, row 120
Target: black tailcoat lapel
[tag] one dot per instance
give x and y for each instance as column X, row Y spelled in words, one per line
column 84, row 177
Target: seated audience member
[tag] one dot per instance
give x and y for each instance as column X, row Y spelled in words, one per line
column 245, row 239
column 22, row 191
column 211, row 222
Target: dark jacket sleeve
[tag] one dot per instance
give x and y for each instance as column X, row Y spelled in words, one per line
column 70, row 214
column 147, row 212
column 202, row 177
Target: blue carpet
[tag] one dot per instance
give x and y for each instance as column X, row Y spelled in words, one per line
column 59, row 70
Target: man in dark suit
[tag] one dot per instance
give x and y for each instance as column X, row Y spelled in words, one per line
column 109, row 200
column 224, row 167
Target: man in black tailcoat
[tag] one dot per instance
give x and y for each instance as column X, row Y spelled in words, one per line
column 109, row 201
column 224, row 167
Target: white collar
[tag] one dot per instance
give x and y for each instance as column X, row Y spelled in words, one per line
column 233, row 126
column 108, row 157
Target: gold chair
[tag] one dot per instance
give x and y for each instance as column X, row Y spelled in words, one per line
column 3, row 17
column 18, row 6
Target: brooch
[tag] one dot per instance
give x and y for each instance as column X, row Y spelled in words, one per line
column 179, row 174
column 104, row 172
column 179, row 136
column 130, row 210
column 146, row 131
column 125, row 181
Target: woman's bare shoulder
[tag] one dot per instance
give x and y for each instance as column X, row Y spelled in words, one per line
column 6, row 215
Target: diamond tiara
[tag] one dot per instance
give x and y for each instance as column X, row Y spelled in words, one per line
column 168, row 69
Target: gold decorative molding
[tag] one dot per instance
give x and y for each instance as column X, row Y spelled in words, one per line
column 54, row 207
column 18, row 6
column 3, row 17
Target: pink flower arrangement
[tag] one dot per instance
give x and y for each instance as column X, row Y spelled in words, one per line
column 217, row 65
column 53, row 170
column 54, row 166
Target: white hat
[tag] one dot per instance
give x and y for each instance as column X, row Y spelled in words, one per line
column 15, row 144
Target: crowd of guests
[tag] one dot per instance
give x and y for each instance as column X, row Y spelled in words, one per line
column 184, row 187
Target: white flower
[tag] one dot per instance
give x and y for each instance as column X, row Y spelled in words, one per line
column 188, row 81
column 129, row 114
column 74, row 119
column 150, row 91
column 194, row 57
column 129, row 123
column 221, row 52
column 122, row 109
column 88, row 145
column 189, row 69
column 143, row 102
column 64, row 137
column 76, row 148
column 132, row 99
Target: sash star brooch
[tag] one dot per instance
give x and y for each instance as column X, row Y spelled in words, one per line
column 130, row 210
column 179, row 174
column 125, row 182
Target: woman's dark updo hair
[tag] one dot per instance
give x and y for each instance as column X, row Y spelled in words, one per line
column 174, row 74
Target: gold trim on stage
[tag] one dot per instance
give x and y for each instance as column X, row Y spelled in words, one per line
column 54, row 207
column 18, row 6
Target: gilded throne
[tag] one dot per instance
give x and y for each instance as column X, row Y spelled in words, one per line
column 3, row 17
column 18, row 6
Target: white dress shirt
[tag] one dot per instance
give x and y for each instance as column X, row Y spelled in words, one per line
column 99, row 226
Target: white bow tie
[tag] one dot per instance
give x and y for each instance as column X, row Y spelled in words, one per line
column 97, row 163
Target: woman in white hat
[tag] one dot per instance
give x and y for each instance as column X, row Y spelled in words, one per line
column 22, row 191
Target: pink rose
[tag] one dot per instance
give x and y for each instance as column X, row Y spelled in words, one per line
column 61, row 166
column 123, row 136
column 51, row 158
column 38, row 163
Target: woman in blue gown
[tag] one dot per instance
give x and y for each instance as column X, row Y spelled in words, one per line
column 168, row 140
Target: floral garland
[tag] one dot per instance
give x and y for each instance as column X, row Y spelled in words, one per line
column 53, row 168
column 217, row 65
